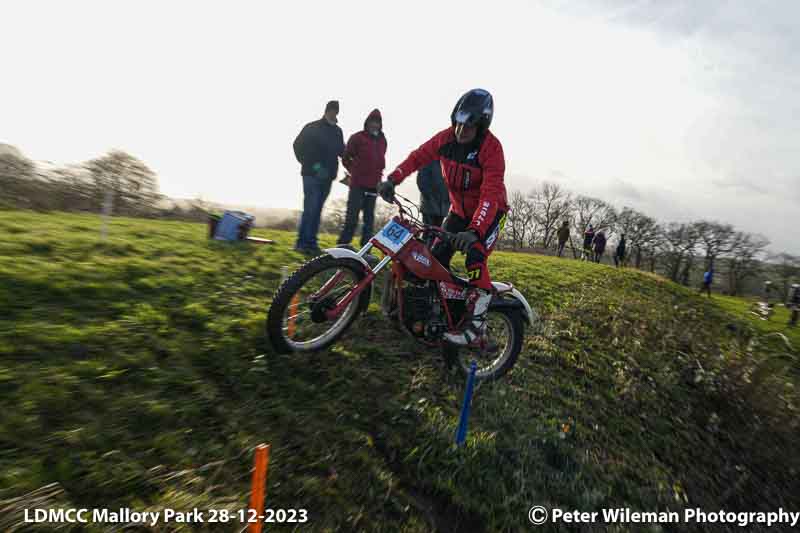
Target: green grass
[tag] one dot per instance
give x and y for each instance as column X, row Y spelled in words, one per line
column 136, row 372
column 777, row 322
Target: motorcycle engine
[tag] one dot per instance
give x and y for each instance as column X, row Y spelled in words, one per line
column 419, row 303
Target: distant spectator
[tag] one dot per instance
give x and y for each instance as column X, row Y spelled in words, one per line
column 563, row 237
column 619, row 255
column 769, row 294
column 588, row 237
column 434, row 198
column 708, row 279
column 794, row 304
column 317, row 148
column 364, row 158
column 599, row 244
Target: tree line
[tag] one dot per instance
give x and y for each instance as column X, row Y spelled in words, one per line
column 116, row 179
column 680, row 251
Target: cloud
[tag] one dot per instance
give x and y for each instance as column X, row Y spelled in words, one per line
column 625, row 189
column 741, row 185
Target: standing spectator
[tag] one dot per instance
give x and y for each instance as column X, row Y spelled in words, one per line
column 708, row 279
column 768, row 295
column 794, row 304
column 364, row 158
column 434, row 198
column 768, row 292
column 588, row 237
column 317, row 148
column 599, row 245
column 563, row 237
column 619, row 255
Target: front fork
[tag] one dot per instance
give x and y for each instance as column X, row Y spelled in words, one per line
column 364, row 283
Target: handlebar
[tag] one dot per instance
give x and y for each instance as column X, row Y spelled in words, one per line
column 427, row 228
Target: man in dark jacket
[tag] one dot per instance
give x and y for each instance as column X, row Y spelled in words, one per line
column 434, row 198
column 599, row 244
column 364, row 158
column 794, row 304
column 563, row 237
column 317, row 148
column 588, row 237
column 619, row 255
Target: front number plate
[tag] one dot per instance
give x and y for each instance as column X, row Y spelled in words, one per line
column 393, row 236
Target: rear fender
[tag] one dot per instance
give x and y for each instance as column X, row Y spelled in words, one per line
column 508, row 296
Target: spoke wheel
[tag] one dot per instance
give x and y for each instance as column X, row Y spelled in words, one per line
column 297, row 320
column 505, row 330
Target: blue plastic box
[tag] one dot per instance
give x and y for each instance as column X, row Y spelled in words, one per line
column 233, row 226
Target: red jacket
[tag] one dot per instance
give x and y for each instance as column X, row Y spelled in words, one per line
column 473, row 174
column 365, row 156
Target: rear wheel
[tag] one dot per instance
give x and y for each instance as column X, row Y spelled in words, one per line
column 296, row 320
column 505, row 329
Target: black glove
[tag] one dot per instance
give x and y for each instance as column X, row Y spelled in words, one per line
column 464, row 239
column 386, row 190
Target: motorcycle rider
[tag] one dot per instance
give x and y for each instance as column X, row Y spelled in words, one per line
column 473, row 166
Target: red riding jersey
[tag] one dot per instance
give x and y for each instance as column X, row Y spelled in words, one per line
column 473, row 173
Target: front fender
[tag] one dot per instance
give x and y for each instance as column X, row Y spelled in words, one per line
column 344, row 253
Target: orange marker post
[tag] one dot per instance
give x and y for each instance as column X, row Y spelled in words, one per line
column 259, row 486
column 290, row 327
column 293, row 305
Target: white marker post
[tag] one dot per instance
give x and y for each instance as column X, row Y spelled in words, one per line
column 108, row 206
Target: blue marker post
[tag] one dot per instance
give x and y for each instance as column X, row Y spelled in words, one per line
column 461, row 433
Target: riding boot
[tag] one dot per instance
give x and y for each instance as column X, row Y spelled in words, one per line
column 473, row 326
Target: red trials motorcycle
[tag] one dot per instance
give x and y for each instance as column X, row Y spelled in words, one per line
column 320, row 300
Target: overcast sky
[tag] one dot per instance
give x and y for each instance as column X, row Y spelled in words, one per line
column 683, row 109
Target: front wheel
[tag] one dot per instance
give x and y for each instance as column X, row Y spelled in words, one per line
column 506, row 330
column 297, row 321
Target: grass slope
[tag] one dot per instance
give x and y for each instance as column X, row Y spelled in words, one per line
column 136, row 373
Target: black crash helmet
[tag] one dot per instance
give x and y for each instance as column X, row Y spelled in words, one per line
column 475, row 108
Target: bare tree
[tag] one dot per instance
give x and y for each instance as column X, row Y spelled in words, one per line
column 641, row 231
column 520, row 222
column 334, row 216
column 743, row 259
column 132, row 183
column 552, row 204
column 71, row 188
column 787, row 268
column 18, row 185
column 586, row 210
column 716, row 239
column 652, row 245
column 678, row 248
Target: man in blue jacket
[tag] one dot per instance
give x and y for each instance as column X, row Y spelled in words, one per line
column 317, row 148
column 708, row 279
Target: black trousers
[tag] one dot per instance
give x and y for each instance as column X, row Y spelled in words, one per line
column 478, row 254
column 359, row 200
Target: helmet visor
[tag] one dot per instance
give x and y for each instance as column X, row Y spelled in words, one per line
column 465, row 117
